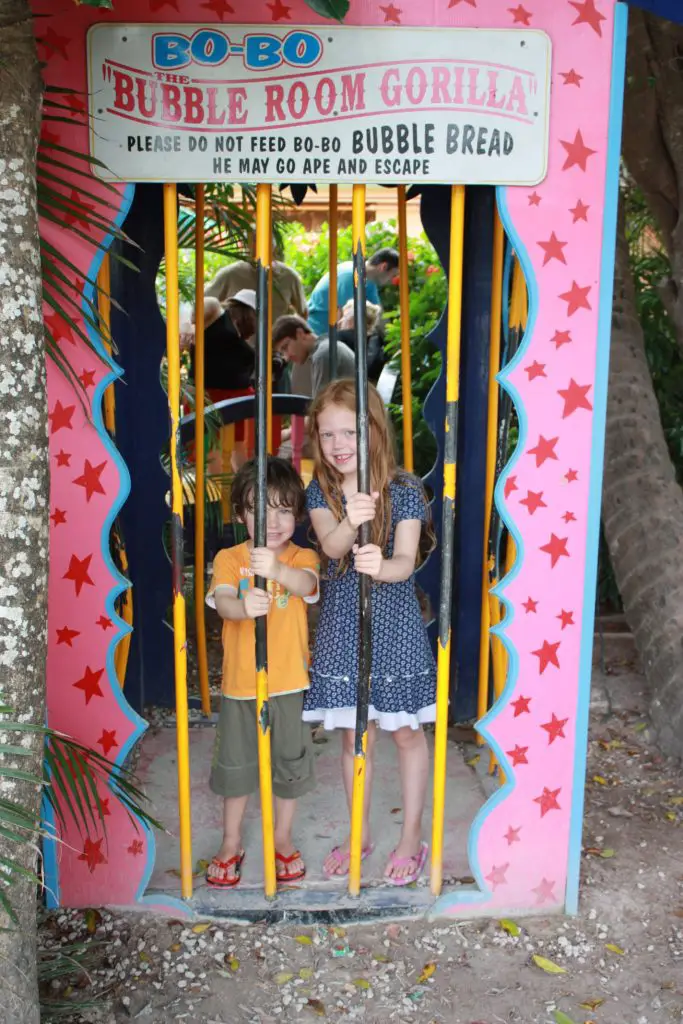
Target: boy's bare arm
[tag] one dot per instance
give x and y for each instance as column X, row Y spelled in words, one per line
column 229, row 606
column 299, row 582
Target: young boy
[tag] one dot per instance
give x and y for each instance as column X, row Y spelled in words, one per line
column 292, row 575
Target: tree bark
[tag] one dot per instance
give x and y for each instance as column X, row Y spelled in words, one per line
column 24, row 493
column 643, row 513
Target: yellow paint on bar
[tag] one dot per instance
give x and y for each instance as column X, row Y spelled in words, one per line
column 179, row 623
column 404, row 306
column 266, row 787
column 200, row 456
column 104, row 308
column 333, row 240
column 444, row 648
column 498, row 656
column 491, row 452
column 264, row 249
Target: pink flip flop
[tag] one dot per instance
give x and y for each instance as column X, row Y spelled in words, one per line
column 340, row 857
column 419, row 860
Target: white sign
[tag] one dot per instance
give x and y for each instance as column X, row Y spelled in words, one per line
column 285, row 104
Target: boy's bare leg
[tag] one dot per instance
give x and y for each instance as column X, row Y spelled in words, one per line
column 233, row 813
column 284, row 819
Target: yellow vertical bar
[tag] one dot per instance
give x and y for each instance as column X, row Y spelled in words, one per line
column 264, row 236
column 491, row 453
column 200, row 455
column 104, row 307
column 179, row 626
column 404, row 303
column 358, row 792
column 449, row 491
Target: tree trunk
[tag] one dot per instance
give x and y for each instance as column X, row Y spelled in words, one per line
column 643, row 513
column 23, row 482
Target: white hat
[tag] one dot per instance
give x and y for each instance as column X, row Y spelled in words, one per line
column 247, row 296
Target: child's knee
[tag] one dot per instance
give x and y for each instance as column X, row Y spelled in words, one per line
column 408, row 738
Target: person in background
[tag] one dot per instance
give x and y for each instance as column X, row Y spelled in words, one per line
column 346, row 334
column 309, row 356
column 381, row 268
column 288, row 290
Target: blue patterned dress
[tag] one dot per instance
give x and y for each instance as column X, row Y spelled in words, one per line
column 403, row 679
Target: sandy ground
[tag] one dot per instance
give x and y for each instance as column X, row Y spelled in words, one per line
column 619, row 962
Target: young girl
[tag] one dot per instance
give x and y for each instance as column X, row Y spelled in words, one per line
column 403, row 677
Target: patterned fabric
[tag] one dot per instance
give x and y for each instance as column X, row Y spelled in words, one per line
column 403, row 677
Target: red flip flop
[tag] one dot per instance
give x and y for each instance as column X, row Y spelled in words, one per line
column 286, row 876
column 216, row 882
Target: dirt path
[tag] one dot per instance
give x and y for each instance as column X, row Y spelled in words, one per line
column 622, row 957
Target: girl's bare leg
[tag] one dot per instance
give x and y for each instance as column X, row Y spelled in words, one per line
column 333, row 865
column 413, row 762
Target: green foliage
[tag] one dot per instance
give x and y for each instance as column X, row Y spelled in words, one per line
column 309, row 255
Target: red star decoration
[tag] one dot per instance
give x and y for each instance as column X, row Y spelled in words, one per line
column 521, row 706
column 575, row 397
column 61, row 417
column 454, row 3
column 544, row 450
column 53, row 43
column 544, row 891
column 548, row 800
column 219, row 7
column 58, row 517
column 535, row 370
column 104, row 623
column 90, row 479
column 391, row 14
column 497, row 876
column 156, row 5
column 512, row 835
column 569, row 517
column 571, row 475
column 561, row 338
column 571, row 77
column 92, row 854
column 576, row 298
column 510, row 486
column 136, row 848
column 553, row 249
column 530, row 606
column 534, row 199
column 577, row 153
column 106, row 813
column 77, row 103
column 66, row 635
column 533, row 501
column 588, row 14
column 87, row 378
column 520, row 16
column 78, row 572
column 547, row 655
column 59, row 328
column 518, row 755
column 79, row 213
column 90, row 684
column 556, row 548
column 555, row 728
column 279, row 11
column 108, row 740
column 566, row 618
column 63, row 458
column 580, row 211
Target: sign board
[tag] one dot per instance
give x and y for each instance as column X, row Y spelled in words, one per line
column 269, row 104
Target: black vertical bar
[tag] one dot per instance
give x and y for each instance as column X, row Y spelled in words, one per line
column 261, row 418
column 363, row 459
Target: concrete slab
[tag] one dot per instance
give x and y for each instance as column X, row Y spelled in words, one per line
column 322, row 822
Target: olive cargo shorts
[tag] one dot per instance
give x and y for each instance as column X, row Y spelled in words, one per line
column 234, row 770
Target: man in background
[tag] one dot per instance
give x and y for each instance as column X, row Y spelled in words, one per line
column 288, row 290
column 381, row 268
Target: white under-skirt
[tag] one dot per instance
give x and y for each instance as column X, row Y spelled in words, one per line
column 345, row 718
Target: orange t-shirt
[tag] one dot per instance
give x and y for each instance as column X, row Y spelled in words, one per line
column 287, row 625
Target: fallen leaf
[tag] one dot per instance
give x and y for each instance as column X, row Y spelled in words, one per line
column 593, row 851
column 199, row 929
column 676, row 801
column 396, row 810
column 362, row 983
column 381, row 958
column 339, row 933
column 145, row 957
column 562, row 1018
column 671, row 816
column 473, row 760
column 678, row 912
column 547, row 965
column 606, row 854
column 614, row 949
column 304, row 940
column 426, row 973
column 591, row 1004
column 92, row 919
column 600, row 779
column 316, row 1006
column 233, row 963
column 175, row 948
column 283, row 977
column 510, row 927
column 306, row 973
column 641, row 726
